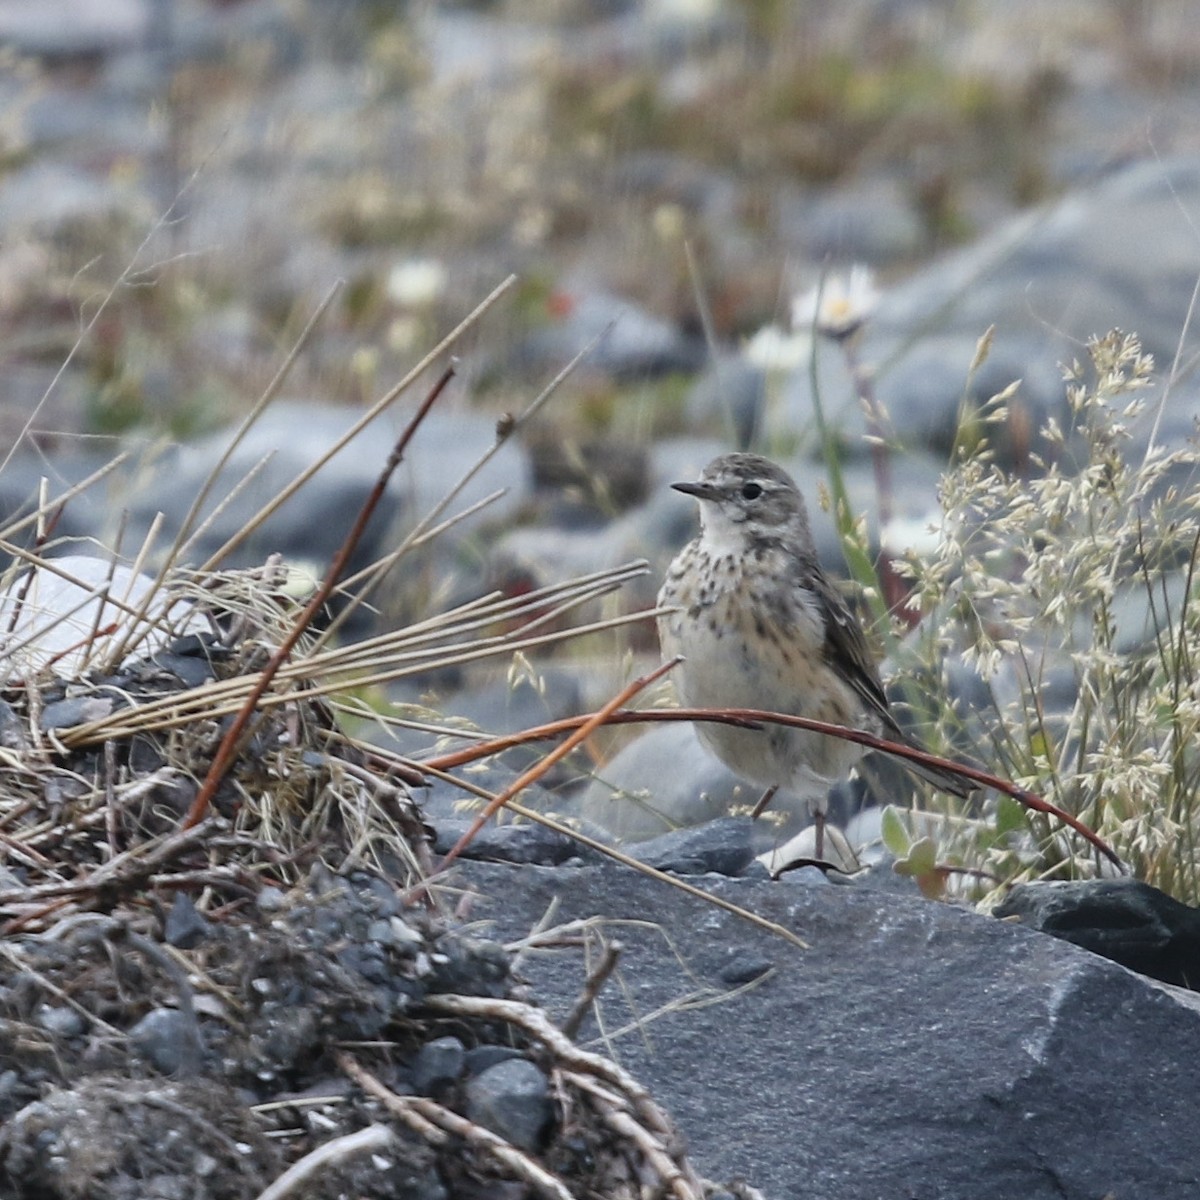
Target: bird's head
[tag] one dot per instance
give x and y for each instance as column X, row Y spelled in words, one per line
column 746, row 496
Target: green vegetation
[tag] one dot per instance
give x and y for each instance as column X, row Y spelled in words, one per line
column 1076, row 580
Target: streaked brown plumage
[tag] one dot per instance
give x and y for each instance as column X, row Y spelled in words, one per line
column 760, row 625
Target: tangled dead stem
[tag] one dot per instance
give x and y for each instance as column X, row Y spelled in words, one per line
column 244, row 1007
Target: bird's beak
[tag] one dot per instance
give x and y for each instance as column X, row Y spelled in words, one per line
column 702, row 491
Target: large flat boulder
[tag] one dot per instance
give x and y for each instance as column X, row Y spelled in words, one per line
column 913, row 1050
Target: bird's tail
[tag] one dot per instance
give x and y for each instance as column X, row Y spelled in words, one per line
column 942, row 779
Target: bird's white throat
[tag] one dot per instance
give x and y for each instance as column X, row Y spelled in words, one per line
column 720, row 534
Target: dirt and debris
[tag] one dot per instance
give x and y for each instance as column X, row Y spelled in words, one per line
column 274, row 1001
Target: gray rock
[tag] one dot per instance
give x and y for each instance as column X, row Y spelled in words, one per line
column 60, row 1021
column 724, row 846
column 512, row 1099
column 13, row 735
column 272, row 899
column 807, row 876
column 869, row 220
column 633, row 343
column 438, row 1065
column 185, row 927
column 169, row 1040
column 744, row 966
column 452, row 807
column 729, row 393
column 666, row 780
column 290, row 437
column 73, row 28
column 527, row 842
column 47, row 197
column 76, row 710
column 915, row 1048
column 192, row 670
column 480, row 1058
column 1116, row 254
column 86, row 515
column 500, row 707
column 1126, row 920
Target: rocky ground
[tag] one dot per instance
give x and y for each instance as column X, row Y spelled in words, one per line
column 183, row 181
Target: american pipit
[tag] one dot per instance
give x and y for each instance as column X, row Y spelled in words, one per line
column 760, row 625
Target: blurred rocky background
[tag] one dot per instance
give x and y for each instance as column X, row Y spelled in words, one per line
column 183, row 181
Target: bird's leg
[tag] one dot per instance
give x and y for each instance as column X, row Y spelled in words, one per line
column 761, row 806
column 818, row 807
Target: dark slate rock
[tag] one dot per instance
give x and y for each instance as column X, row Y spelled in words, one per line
column 512, row 1099
column 438, row 1065
column 76, row 710
column 185, row 927
column 808, row 875
column 470, row 967
column 723, row 846
column 191, row 670
column 12, row 729
column 1126, row 920
column 915, row 1049
column 524, row 843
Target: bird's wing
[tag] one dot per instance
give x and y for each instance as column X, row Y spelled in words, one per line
column 846, row 647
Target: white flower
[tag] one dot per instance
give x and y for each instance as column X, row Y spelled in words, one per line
column 839, row 304
column 917, row 535
column 416, row 282
column 774, row 349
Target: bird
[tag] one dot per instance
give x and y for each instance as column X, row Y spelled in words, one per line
column 757, row 623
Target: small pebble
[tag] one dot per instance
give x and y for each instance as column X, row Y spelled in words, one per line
column 512, row 1099
column 169, row 1041
column 185, row 927
column 438, row 1065
column 60, row 1021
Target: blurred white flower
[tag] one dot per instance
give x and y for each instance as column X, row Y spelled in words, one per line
column 774, row 349
column 416, row 282
column 912, row 535
column 839, row 304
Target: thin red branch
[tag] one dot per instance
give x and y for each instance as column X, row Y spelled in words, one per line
column 752, row 717
column 230, row 744
column 586, row 727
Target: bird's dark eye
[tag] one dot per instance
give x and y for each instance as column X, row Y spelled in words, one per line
column 751, row 491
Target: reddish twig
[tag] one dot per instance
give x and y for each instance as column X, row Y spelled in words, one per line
column 231, row 743
column 586, row 727
column 85, row 642
column 752, row 717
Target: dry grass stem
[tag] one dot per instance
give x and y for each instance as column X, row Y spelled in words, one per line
column 372, row 1139
column 380, row 406
column 433, row 1118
